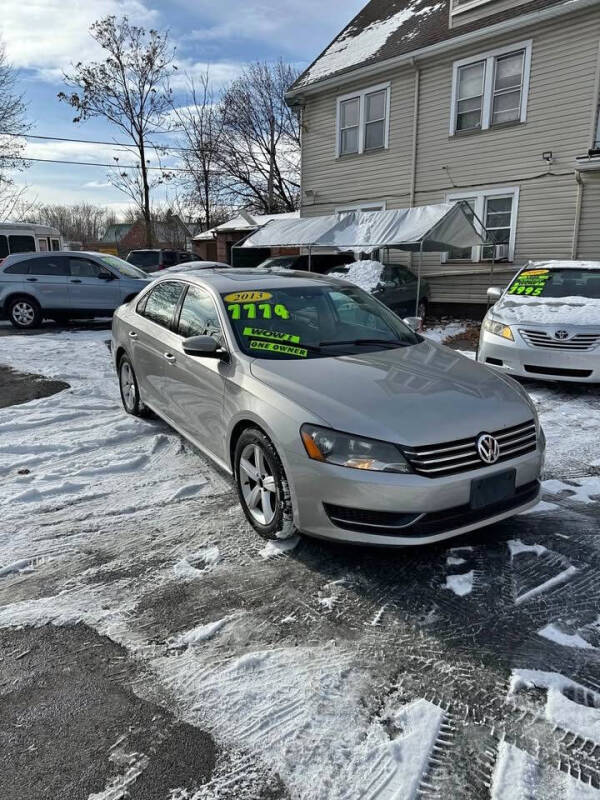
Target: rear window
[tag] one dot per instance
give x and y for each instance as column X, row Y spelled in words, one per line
column 144, row 258
column 20, row 268
column 21, row 244
column 122, row 267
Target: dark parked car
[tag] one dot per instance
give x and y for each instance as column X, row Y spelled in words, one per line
column 397, row 288
column 319, row 262
column 155, row 260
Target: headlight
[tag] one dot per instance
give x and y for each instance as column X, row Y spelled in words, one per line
column 499, row 328
column 322, row 444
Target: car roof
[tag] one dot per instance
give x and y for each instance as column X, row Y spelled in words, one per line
column 558, row 264
column 243, row 280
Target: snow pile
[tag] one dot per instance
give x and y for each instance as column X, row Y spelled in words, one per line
column 200, row 634
column 515, row 774
column 553, row 633
column 278, row 548
column 355, row 47
column 548, row 311
column 365, row 274
column 439, row 333
column 580, row 718
column 460, row 584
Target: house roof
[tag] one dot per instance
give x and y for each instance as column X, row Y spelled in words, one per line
column 386, row 29
column 240, row 223
column 116, row 232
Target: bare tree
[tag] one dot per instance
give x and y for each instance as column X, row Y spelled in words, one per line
column 13, row 125
column 201, row 120
column 129, row 88
column 260, row 149
column 82, row 222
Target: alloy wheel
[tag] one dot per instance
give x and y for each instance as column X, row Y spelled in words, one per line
column 258, row 484
column 23, row 313
column 128, row 387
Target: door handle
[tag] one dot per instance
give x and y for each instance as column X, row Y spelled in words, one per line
column 31, row 280
column 75, row 280
column 170, row 357
column 132, row 335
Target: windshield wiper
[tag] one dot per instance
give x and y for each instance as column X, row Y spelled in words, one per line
column 387, row 342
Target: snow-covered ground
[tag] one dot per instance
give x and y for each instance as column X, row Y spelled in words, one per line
column 348, row 674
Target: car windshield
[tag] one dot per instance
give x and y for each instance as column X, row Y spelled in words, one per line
column 548, row 282
column 122, row 267
column 313, row 322
column 144, row 258
column 281, row 262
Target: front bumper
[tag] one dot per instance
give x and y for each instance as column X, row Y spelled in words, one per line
column 412, row 509
column 523, row 360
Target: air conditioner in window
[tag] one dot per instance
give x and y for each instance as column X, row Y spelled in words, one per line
column 501, row 252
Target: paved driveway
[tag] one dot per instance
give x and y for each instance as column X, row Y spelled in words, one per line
column 304, row 669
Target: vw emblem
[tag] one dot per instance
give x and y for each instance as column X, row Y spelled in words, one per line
column 562, row 334
column 488, row 448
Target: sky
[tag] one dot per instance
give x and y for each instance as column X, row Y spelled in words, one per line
column 43, row 38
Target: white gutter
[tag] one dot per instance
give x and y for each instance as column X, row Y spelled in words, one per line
column 514, row 23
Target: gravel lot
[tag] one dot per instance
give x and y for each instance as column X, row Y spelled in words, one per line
column 151, row 644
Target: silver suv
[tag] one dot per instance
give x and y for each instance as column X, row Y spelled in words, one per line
column 65, row 284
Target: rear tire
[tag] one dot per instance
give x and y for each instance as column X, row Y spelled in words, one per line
column 262, row 486
column 25, row 313
column 130, row 392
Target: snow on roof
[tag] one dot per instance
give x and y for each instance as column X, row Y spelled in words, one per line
column 240, row 223
column 355, row 47
column 386, row 29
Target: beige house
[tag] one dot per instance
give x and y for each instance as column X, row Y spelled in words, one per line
column 491, row 101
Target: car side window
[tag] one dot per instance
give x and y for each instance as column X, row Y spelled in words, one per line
column 392, row 277
column 49, row 265
column 20, row 268
column 169, row 258
column 199, row 315
column 3, row 246
column 161, row 303
column 84, row 268
column 21, row 244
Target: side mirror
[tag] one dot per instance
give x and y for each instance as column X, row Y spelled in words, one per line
column 494, row 293
column 414, row 323
column 204, row 346
column 106, row 276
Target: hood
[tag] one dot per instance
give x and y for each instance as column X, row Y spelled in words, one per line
column 416, row 395
column 548, row 311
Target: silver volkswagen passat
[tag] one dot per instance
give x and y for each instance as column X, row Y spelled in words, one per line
column 334, row 417
column 546, row 324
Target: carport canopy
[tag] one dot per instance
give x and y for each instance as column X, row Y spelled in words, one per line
column 434, row 228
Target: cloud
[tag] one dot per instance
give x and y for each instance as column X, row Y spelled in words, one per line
column 86, row 152
column 47, row 36
column 220, row 73
column 97, row 185
column 298, row 29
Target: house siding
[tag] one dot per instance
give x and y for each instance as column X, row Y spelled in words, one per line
column 560, row 106
column 589, row 234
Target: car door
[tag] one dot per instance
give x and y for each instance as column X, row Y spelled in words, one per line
column 93, row 286
column 48, row 281
column 391, row 289
column 195, row 385
column 152, row 340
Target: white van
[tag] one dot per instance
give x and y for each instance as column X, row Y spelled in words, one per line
column 24, row 237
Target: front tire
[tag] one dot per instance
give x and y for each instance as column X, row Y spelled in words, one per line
column 262, row 486
column 130, row 392
column 25, row 313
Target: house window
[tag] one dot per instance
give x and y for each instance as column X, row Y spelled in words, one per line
column 497, row 210
column 363, row 120
column 491, row 89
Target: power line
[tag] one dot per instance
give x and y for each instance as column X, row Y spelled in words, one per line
column 93, row 141
column 90, row 164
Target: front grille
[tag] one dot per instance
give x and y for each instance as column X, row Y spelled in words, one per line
column 450, row 458
column 578, row 343
column 559, row 372
column 383, row 523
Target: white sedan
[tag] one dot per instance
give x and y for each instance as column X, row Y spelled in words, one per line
column 546, row 324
